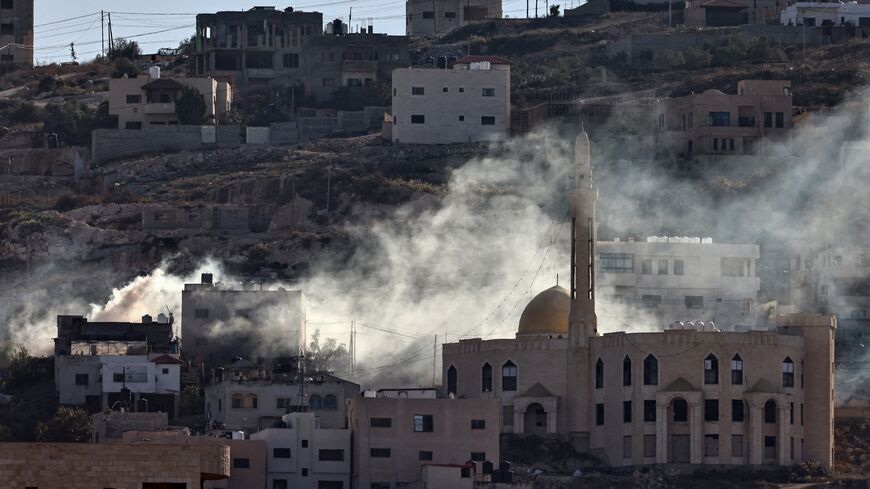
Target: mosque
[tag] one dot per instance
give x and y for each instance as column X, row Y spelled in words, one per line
column 687, row 395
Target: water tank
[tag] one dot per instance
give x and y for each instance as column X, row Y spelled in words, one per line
column 487, row 468
column 154, row 72
column 678, row 325
column 370, row 393
column 146, row 319
column 206, row 279
column 238, row 435
column 162, row 318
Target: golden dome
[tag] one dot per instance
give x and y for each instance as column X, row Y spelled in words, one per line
column 547, row 313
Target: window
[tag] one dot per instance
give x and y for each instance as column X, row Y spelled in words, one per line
column 478, row 456
column 478, row 424
column 238, row 401
column 711, row 445
column 82, row 379
column 283, row 403
column 328, row 82
column 770, row 411
column 649, row 411
column 715, row 144
column 381, row 422
column 626, row 447
column 423, row 423
column 650, row 370
column 425, row 455
column 649, row 445
column 291, row 60
column 791, row 413
column 6, row 4
column 736, row 445
column 7, row 29
column 304, row 472
column 133, row 125
column 462, row 118
column 279, row 483
column 711, row 369
column 354, row 82
column 118, row 377
column 418, row 119
column 451, row 380
column 418, row 91
column 330, row 485
column 428, row 14
column 200, row 313
column 599, row 414
column 165, row 371
column 380, row 453
column 509, row 377
column 241, row 463
column 769, row 447
column 780, row 120
column 251, row 401
column 626, row 371
column 380, row 485
column 679, row 266
column 681, row 411
column 651, row 301
column 304, row 443
column 737, row 410
column 134, row 99
column 736, row 370
column 616, row 262
column 626, row 411
column 281, row 452
column 711, row 409
column 646, row 266
column 488, row 92
column 663, row 267
column 787, row 373
column 768, row 119
column 487, row 120
column 731, row 144
column 486, row 378
column 330, row 455
column 735, row 267
column 449, row 15
column 599, row 374
column 507, row 414
column 694, row 302
column 720, row 119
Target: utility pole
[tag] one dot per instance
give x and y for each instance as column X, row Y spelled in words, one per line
column 434, row 358
column 536, row 9
column 328, row 189
column 669, row 14
column 350, row 366
column 103, row 32
column 111, row 39
column 527, row 9
column 434, row 18
column 72, row 51
column 349, row 18
column 293, row 203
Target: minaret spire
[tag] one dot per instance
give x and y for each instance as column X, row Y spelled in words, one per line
column 583, row 321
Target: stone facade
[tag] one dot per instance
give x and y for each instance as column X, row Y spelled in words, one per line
column 425, row 18
column 16, row 31
column 145, row 102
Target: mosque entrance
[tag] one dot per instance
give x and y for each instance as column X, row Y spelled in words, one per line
column 535, row 420
column 680, row 449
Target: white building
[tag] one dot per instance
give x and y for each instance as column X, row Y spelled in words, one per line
column 468, row 103
column 680, row 279
column 824, row 14
column 427, row 18
column 305, row 456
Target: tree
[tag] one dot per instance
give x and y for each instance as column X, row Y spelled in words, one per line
column 69, row 425
column 191, row 400
column 190, row 107
column 329, row 357
column 123, row 66
column 554, row 10
column 125, row 48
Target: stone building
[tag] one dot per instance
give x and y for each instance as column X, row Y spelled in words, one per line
column 826, row 14
column 425, row 18
column 720, row 13
column 674, row 279
column 395, row 438
column 252, row 397
column 715, row 123
column 469, row 103
column 691, row 394
column 16, row 31
column 143, row 102
column 117, row 465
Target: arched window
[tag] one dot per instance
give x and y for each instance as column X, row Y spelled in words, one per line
column 737, row 370
column 681, row 410
column 451, row 380
column 238, row 401
column 711, row 369
column 599, row 374
column 770, row 411
column 315, row 402
column 330, row 402
column 251, row 401
column 787, row 372
column 626, row 371
column 486, row 378
column 509, row 376
column 650, row 370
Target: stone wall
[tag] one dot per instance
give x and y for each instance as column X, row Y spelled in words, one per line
column 61, row 162
column 110, row 144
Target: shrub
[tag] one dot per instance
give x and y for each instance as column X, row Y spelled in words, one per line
column 69, row 425
column 123, row 66
column 190, row 107
column 697, row 58
column 125, row 48
column 667, row 60
column 25, row 112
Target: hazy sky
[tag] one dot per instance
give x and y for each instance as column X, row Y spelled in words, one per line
column 177, row 19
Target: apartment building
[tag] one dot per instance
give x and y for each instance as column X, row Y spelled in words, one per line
column 303, row 455
column 715, row 123
column 469, row 103
column 826, row 14
column 16, row 31
column 722, row 13
column 149, row 101
column 395, row 438
column 673, row 279
column 250, row 397
column 220, row 321
column 424, row 18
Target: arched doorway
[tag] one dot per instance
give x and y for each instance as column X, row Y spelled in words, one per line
column 770, row 430
column 535, row 419
column 679, row 432
column 451, row 380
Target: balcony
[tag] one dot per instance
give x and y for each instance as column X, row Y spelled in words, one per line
column 160, row 108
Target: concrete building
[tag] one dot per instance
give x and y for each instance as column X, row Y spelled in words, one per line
column 394, row 439
column 675, row 279
column 469, row 103
column 221, row 321
column 16, row 32
column 117, row 465
column 144, row 102
column 424, row 18
column 826, row 14
column 691, row 394
column 251, row 397
column 714, row 123
column 721, row 13
column 302, row 455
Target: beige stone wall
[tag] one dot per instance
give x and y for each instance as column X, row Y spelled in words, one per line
column 116, row 465
column 217, row 95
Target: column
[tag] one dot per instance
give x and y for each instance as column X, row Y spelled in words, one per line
column 756, row 438
column 782, row 441
column 661, row 433
column 696, row 430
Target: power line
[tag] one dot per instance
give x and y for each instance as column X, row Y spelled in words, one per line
column 66, row 20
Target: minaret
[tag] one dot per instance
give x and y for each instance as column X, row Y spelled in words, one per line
column 583, row 322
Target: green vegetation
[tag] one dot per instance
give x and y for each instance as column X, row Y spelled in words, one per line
column 190, row 107
column 69, row 425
